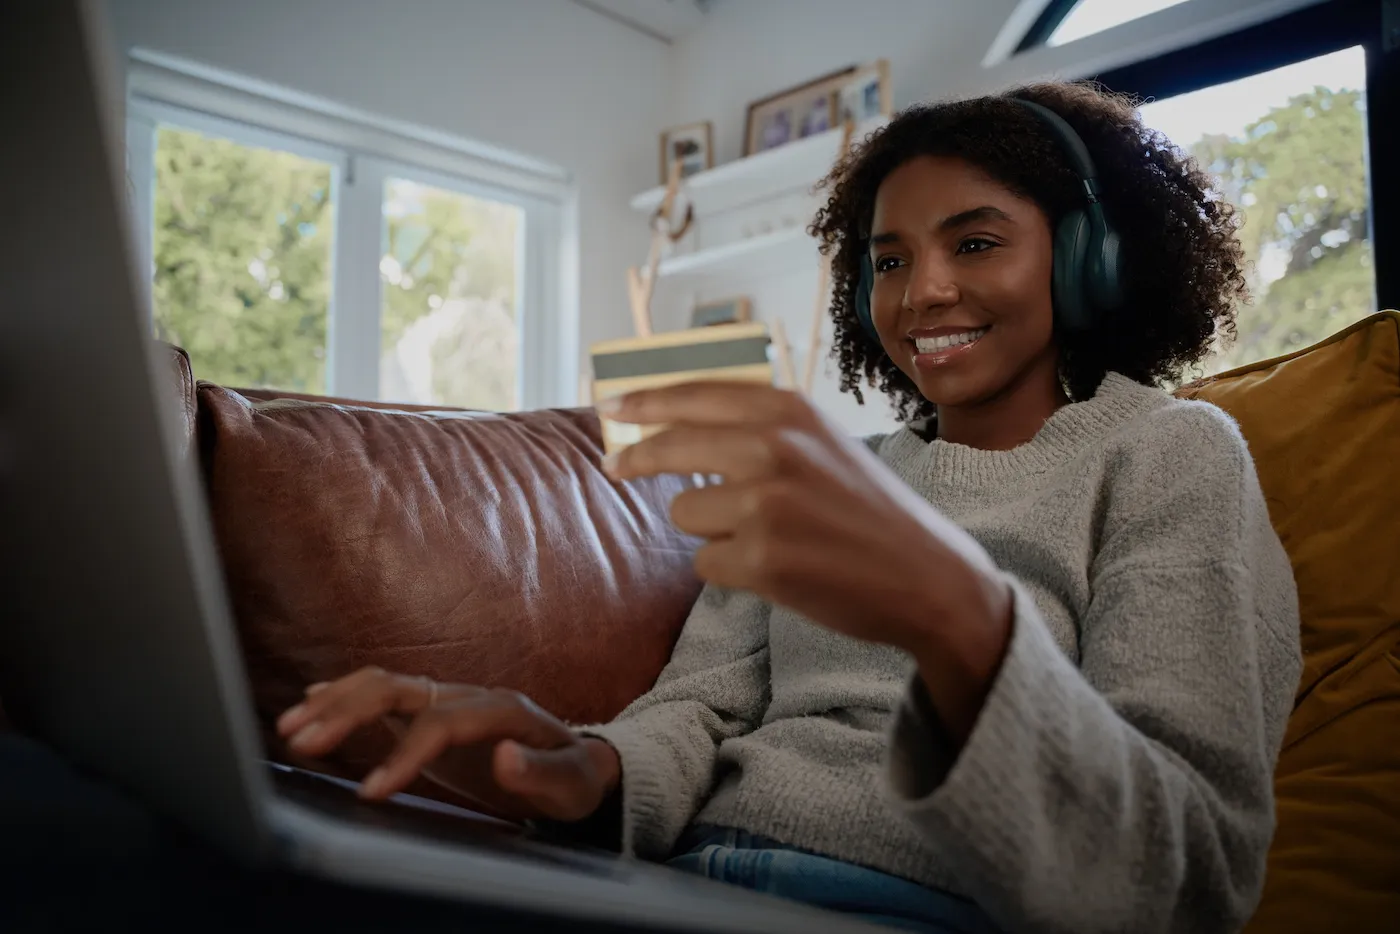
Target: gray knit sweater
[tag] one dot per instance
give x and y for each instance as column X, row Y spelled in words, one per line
column 1119, row 777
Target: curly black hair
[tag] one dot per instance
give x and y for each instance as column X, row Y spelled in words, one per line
column 1181, row 252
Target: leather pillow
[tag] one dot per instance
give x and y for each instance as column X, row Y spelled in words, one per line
column 474, row 547
column 1323, row 425
column 180, row 380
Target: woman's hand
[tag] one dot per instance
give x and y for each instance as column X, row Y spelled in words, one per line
column 493, row 745
column 812, row 520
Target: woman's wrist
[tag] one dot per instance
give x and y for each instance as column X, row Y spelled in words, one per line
column 959, row 657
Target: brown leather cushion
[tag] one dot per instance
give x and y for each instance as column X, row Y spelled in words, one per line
column 1323, row 425
column 271, row 395
column 472, row 547
column 180, row 380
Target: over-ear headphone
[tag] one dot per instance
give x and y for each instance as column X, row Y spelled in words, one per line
column 1087, row 281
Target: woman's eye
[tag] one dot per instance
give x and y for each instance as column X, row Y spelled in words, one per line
column 976, row 245
column 886, row 263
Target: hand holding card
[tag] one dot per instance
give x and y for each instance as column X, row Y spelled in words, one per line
column 730, row 352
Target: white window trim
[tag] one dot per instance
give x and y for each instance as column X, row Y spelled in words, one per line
column 1154, row 34
column 363, row 150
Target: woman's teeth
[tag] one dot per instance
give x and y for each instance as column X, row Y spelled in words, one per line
column 943, row 342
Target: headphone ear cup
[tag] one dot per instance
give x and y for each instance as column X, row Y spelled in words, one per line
column 863, row 289
column 1106, row 272
column 1069, row 290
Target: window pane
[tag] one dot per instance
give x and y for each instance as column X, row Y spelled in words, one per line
column 242, row 260
column 1091, row 16
column 448, row 269
column 1289, row 149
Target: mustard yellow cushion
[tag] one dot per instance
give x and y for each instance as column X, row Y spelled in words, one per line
column 1323, row 425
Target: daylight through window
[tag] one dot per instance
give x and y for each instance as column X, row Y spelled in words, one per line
column 1289, row 149
column 242, row 257
column 1091, row 16
column 403, row 272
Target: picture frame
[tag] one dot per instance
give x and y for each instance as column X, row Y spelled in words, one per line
column 795, row 113
column 866, row 94
column 692, row 144
column 736, row 310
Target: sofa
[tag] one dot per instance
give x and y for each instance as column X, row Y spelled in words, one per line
column 490, row 548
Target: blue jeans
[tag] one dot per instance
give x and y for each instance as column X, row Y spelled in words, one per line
column 764, row 865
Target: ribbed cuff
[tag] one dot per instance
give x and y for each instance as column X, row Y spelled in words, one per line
column 646, row 830
column 920, row 753
column 982, row 798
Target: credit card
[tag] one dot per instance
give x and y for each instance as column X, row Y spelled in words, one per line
column 730, row 352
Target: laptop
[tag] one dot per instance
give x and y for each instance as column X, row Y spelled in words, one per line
column 117, row 646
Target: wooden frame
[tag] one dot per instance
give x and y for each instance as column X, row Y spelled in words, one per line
column 792, row 114
column 786, row 104
column 866, row 95
column 688, row 167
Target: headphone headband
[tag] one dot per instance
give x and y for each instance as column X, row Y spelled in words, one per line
column 1070, row 144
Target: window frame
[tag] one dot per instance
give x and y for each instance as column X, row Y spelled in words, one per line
column 1045, row 25
column 363, row 152
column 1286, row 40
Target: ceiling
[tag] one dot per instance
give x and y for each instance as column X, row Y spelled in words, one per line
column 664, row 20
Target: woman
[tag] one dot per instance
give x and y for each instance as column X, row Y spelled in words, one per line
column 1023, row 665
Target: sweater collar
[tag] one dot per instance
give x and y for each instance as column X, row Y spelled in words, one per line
column 1070, row 430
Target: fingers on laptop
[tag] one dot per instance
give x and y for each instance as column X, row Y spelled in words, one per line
column 460, row 715
column 562, row 784
column 329, row 713
column 483, row 716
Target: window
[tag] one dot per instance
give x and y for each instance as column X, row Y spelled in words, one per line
column 1289, row 149
column 1296, row 116
column 313, row 252
column 448, row 274
column 1090, row 16
column 1064, row 21
column 242, row 246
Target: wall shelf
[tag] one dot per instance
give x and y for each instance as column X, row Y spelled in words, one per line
column 748, row 258
column 796, row 165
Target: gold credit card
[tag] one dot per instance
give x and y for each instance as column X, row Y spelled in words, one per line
column 719, row 352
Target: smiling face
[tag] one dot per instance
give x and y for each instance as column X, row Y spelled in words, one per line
column 961, row 296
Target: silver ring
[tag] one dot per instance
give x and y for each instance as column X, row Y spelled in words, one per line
column 432, row 691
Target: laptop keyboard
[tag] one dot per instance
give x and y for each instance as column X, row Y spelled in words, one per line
column 422, row 817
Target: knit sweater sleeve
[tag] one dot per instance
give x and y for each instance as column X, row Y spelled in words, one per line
column 716, row 686
column 1134, row 791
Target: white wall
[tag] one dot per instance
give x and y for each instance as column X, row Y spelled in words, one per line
column 546, row 78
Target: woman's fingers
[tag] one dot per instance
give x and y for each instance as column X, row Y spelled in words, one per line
column 710, row 402
column 548, row 769
column 486, row 716
column 327, row 716
column 735, row 453
column 559, row 783
column 718, row 511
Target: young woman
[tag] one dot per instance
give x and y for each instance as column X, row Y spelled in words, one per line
column 1022, row 665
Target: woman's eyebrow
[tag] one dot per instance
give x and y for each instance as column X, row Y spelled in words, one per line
column 985, row 212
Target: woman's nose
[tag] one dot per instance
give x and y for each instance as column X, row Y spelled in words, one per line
column 930, row 285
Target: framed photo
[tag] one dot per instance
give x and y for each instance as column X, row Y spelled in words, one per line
column 865, row 95
column 795, row 113
column 690, row 144
column 727, row 311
